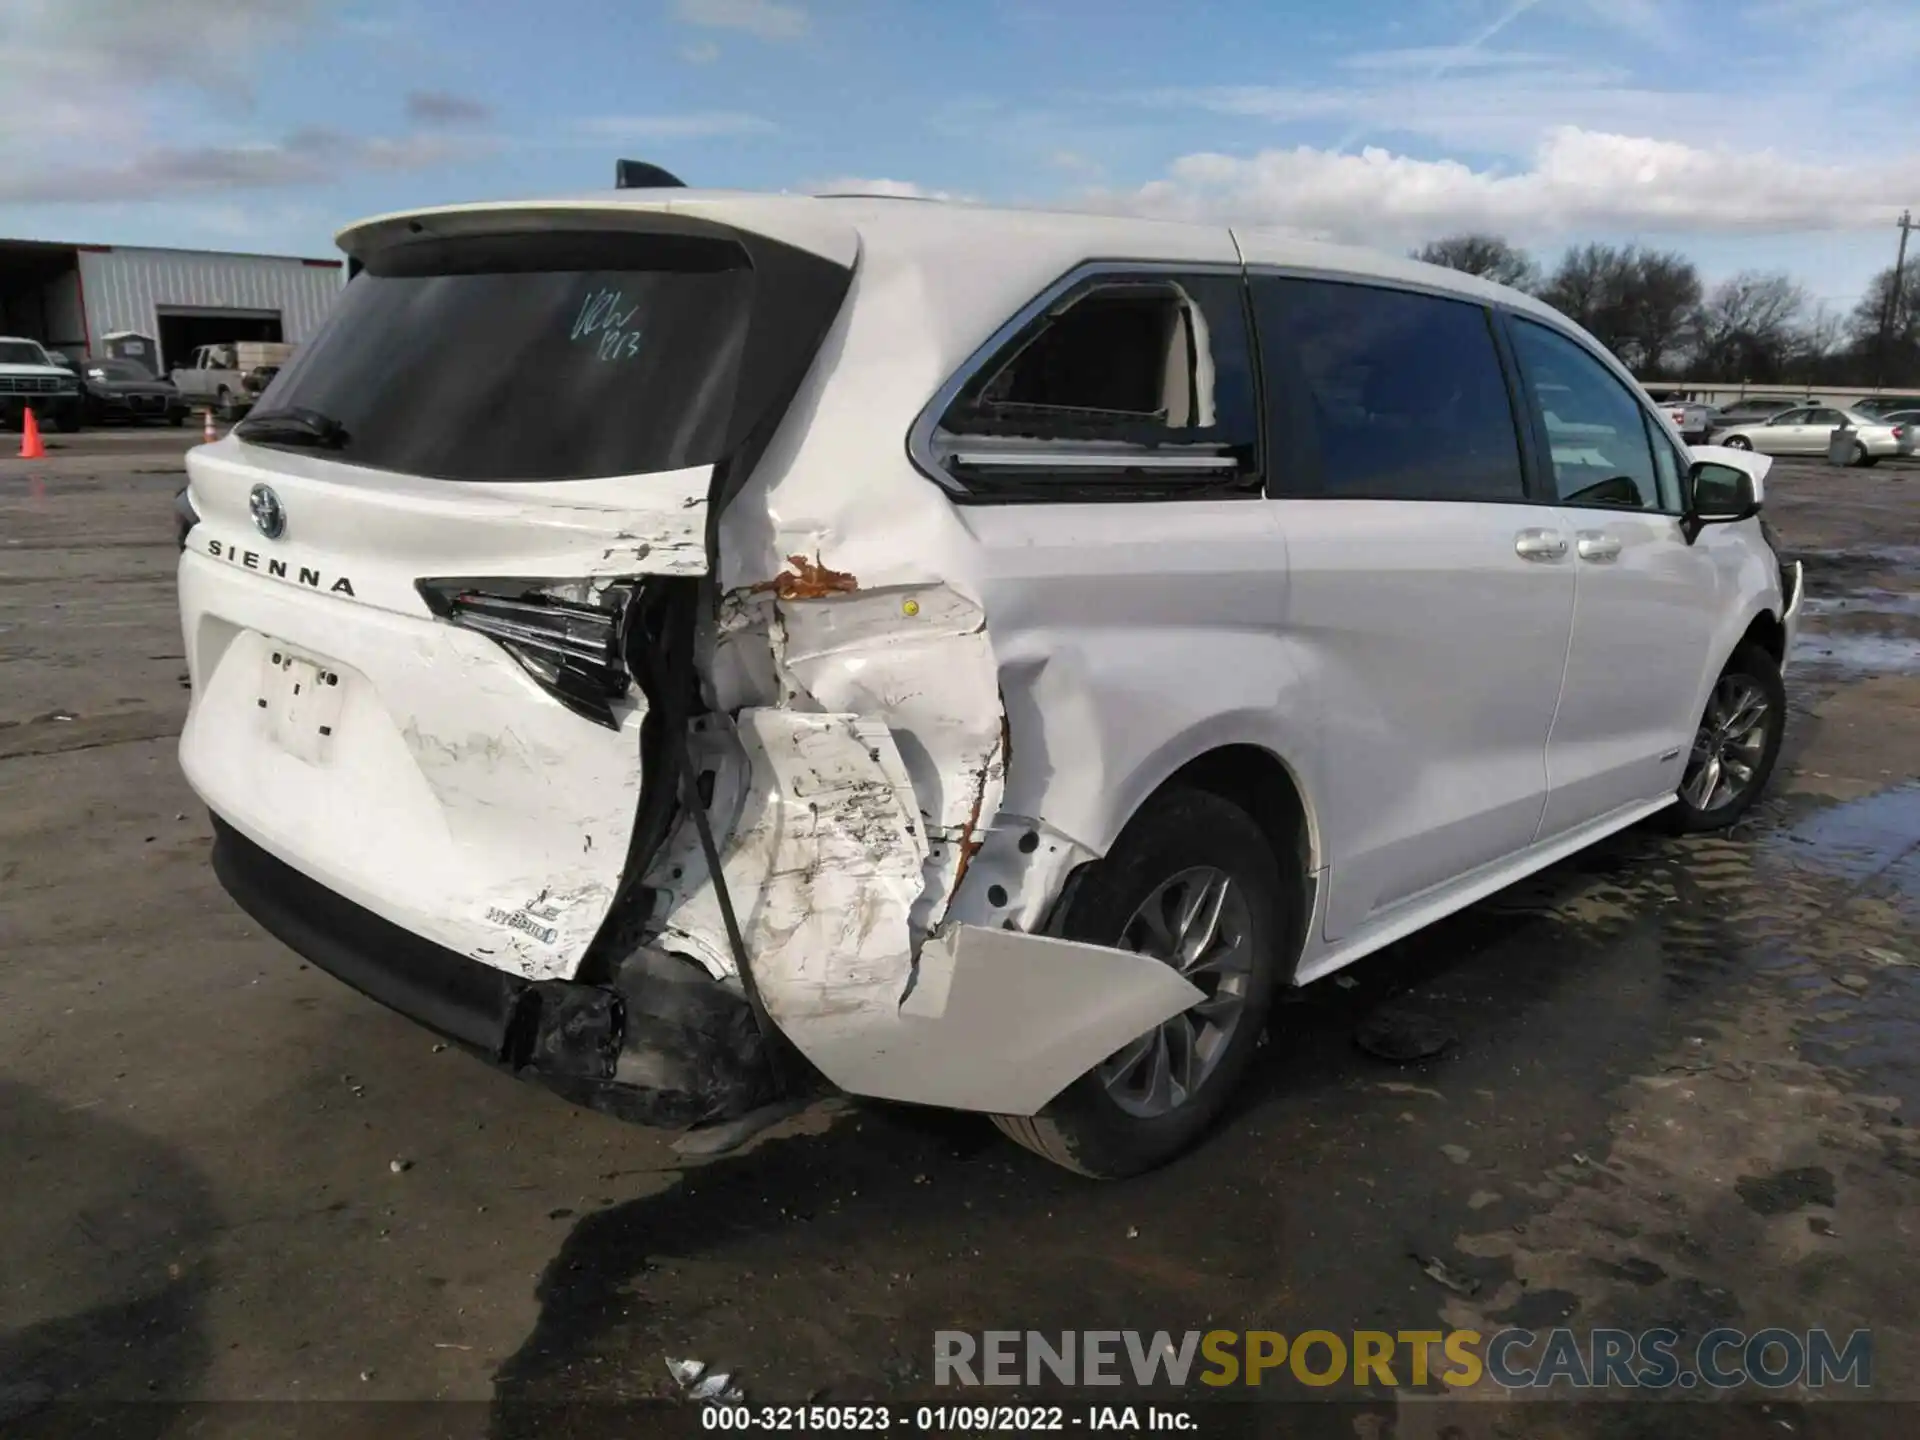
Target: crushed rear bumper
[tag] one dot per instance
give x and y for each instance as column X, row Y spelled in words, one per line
column 663, row 1044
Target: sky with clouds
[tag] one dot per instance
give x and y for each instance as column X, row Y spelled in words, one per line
column 1749, row 133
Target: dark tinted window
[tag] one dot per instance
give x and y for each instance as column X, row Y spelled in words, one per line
column 1399, row 396
column 1595, row 431
column 1824, row 417
column 532, row 358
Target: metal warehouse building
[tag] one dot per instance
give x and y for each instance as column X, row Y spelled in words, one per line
column 70, row 297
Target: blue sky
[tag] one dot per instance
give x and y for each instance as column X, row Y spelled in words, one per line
column 1749, row 133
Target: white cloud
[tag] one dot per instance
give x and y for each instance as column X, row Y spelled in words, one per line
column 1579, row 182
column 442, row 107
column 763, row 19
column 894, row 189
column 1445, row 57
column 693, row 125
column 128, row 79
column 306, row 157
column 705, row 52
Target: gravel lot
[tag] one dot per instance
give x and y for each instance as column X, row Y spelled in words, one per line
column 1679, row 1091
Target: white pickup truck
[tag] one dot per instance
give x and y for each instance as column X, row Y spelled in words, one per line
column 217, row 375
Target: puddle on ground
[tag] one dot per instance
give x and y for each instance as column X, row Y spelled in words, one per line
column 1861, row 627
column 1859, row 839
column 1863, row 654
column 1868, row 601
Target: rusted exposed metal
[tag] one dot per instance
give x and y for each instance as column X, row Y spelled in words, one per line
column 808, row 580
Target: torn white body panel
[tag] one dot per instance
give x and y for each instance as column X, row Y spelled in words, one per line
column 826, row 867
column 414, row 767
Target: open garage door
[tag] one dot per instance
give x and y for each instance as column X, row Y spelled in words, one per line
column 183, row 329
column 40, row 295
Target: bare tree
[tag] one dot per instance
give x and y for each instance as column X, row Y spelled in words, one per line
column 1886, row 327
column 1638, row 303
column 1663, row 299
column 1753, row 327
column 1487, row 256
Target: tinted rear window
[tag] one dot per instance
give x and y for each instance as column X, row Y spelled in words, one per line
column 549, row 357
column 1403, row 391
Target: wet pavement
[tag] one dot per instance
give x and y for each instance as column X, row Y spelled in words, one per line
column 1673, row 1086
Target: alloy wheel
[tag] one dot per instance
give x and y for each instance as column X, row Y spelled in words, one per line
column 1728, row 747
column 1199, row 923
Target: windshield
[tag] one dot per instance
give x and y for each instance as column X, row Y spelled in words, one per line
column 21, row 352
column 543, row 357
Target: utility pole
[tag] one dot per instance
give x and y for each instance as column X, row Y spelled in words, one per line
column 1890, row 312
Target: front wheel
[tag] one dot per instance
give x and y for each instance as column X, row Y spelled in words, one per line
column 1736, row 745
column 1737, row 442
column 1192, row 882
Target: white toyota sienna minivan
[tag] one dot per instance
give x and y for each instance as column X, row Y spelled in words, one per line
column 692, row 648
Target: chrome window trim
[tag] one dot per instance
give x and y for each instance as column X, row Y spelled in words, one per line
column 1066, row 459
column 920, row 437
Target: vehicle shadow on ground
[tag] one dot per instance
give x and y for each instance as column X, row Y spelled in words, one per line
column 101, row 1230
column 820, row 1264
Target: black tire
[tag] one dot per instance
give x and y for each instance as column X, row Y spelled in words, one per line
column 1084, row 1128
column 1737, row 442
column 64, row 421
column 177, row 418
column 1749, row 662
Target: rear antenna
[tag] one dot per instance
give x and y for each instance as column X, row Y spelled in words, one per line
column 639, row 175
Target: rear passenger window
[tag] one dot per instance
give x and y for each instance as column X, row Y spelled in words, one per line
column 1123, row 387
column 1596, row 432
column 1384, row 394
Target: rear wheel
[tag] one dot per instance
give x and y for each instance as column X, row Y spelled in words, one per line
column 1736, row 745
column 1737, row 442
column 1192, row 882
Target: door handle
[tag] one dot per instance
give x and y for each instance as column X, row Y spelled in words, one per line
column 1598, row 546
column 1545, row 545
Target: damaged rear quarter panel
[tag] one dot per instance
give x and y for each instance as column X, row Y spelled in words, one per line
column 1025, row 675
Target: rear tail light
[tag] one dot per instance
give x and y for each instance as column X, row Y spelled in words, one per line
column 564, row 633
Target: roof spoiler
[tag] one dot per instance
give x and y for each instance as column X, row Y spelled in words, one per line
column 639, row 175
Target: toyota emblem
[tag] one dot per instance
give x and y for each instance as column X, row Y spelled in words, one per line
column 269, row 516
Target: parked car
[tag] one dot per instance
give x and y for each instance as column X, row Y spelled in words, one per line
column 123, row 390
column 1809, row 430
column 1878, row 407
column 1693, row 419
column 1751, row 411
column 981, row 655
column 32, row 379
column 216, row 376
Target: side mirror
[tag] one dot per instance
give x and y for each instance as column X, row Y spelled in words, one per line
column 1718, row 495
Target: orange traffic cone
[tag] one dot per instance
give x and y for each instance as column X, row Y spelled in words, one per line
column 30, row 446
column 209, row 434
